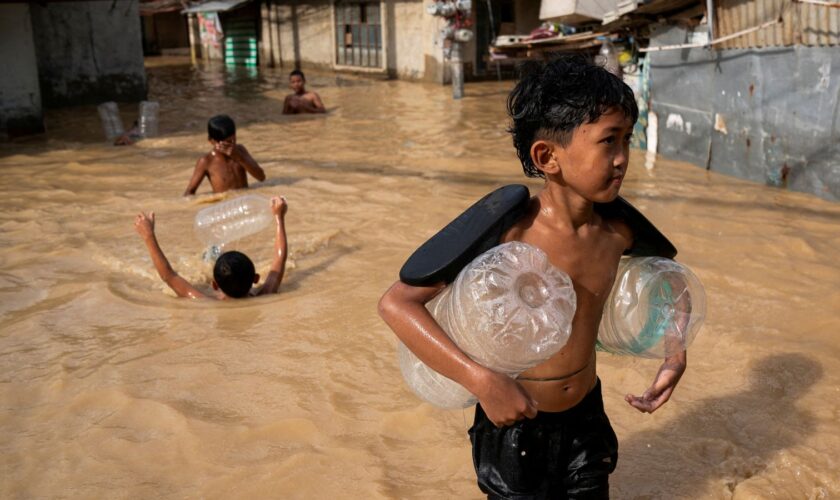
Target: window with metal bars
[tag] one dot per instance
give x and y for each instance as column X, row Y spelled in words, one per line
column 358, row 34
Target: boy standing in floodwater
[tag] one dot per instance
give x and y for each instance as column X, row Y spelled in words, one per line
column 301, row 100
column 545, row 434
column 228, row 164
column 233, row 273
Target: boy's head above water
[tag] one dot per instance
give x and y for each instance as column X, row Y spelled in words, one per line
column 234, row 274
column 297, row 81
column 568, row 112
column 221, row 128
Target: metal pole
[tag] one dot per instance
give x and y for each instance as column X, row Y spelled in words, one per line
column 710, row 19
column 457, row 65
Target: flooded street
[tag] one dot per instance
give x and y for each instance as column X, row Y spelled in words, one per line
column 111, row 387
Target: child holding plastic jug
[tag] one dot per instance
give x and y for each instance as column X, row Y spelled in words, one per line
column 228, row 164
column 233, row 274
column 545, row 434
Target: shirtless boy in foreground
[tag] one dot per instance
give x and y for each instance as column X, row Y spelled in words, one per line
column 228, row 164
column 301, row 100
column 233, row 274
column 545, row 434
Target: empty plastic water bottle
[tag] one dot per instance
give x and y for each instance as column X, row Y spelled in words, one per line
column 109, row 113
column 654, row 310
column 508, row 310
column 149, row 118
column 232, row 219
column 608, row 57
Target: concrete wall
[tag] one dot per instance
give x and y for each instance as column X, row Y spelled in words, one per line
column 20, row 97
column 767, row 115
column 89, row 52
column 302, row 32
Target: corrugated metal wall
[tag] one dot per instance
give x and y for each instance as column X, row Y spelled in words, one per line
column 802, row 23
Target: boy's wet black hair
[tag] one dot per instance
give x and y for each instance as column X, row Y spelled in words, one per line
column 297, row 72
column 234, row 273
column 555, row 97
column 220, row 127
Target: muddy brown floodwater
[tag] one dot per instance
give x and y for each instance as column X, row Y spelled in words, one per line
column 110, row 387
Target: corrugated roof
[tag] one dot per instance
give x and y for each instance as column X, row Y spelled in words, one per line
column 802, row 23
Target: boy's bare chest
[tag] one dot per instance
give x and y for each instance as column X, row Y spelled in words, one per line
column 591, row 261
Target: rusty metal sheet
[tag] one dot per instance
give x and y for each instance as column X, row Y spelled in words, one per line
column 802, row 23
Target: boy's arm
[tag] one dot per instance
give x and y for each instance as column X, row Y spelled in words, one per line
column 198, row 175
column 403, row 309
column 317, row 104
column 145, row 226
column 672, row 368
column 244, row 158
column 278, row 265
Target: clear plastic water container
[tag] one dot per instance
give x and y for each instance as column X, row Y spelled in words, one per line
column 232, row 220
column 148, row 122
column 112, row 124
column 508, row 310
column 655, row 309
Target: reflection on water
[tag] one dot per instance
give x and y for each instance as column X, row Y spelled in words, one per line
column 111, row 384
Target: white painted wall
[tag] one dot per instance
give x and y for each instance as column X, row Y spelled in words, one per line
column 411, row 43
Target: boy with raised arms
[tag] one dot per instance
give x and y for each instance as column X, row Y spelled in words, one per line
column 545, row 434
column 233, row 274
column 228, row 164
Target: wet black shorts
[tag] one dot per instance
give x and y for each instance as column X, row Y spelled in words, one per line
column 567, row 454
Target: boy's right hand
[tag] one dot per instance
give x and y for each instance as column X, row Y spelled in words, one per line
column 144, row 224
column 279, row 206
column 504, row 400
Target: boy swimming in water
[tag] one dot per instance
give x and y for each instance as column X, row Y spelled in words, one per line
column 301, row 100
column 233, row 274
column 228, row 164
column 545, row 434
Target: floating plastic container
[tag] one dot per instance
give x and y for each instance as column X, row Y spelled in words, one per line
column 508, row 310
column 149, row 118
column 654, row 310
column 112, row 124
column 232, row 220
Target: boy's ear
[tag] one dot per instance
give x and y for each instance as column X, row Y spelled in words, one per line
column 256, row 278
column 215, row 285
column 544, row 157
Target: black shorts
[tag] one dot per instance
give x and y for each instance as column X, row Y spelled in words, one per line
column 567, row 454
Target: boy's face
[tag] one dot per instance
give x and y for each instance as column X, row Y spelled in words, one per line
column 594, row 162
column 296, row 83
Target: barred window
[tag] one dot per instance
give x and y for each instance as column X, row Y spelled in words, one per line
column 358, row 34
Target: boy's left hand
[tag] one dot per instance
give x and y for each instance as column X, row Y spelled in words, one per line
column 663, row 385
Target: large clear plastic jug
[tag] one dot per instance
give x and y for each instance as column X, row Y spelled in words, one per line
column 109, row 113
column 508, row 310
column 148, row 118
column 654, row 310
column 232, row 219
